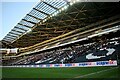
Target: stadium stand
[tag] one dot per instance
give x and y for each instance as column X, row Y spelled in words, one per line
column 107, row 49
column 65, row 31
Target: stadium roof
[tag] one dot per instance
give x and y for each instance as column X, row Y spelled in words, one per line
column 52, row 18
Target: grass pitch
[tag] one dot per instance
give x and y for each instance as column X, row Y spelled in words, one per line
column 71, row 72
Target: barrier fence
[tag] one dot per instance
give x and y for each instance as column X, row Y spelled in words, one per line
column 82, row 64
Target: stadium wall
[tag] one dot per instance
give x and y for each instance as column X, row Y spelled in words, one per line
column 83, row 64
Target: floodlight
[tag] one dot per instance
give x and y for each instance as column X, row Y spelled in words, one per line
column 45, row 19
column 29, row 30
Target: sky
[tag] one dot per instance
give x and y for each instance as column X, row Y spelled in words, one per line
column 11, row 12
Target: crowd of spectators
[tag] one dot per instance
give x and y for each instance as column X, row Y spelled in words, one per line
column 71, row 54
